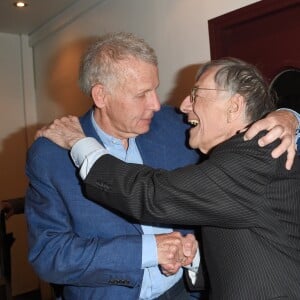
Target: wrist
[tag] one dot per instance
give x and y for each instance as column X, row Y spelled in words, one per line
column 295, row 117
column 295, row 121
column 72, row 142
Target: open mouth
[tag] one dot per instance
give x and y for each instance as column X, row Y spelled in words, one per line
column 193, row 123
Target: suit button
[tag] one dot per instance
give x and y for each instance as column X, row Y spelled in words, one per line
column 112, row 281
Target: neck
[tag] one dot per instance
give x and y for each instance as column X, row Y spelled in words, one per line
column 105, row 124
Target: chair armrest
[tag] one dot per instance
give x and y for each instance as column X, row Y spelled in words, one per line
column 12, row 206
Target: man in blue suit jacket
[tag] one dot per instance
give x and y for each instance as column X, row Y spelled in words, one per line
column 92, row 252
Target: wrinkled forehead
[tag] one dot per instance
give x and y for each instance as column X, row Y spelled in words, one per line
column 132, row 69
column 207, row 79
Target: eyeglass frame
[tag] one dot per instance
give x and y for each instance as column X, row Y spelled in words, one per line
column 196, row 88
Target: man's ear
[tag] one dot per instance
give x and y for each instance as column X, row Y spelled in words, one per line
column 235, row 107
column 98, row 94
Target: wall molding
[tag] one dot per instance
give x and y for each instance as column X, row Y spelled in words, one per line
column 61, row 20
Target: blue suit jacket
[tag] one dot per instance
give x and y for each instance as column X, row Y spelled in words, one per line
column 93, row 252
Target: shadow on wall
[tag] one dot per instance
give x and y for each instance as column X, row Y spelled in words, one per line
column 13, row 150
column 62, row 81
column 184, row 81
column 12, row 158
column 13, row 184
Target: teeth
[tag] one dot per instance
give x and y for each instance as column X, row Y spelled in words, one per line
column 194, row 122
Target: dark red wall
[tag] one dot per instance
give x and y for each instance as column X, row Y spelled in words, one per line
column 266, row 33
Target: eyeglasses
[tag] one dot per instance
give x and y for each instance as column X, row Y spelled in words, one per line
column 196, row 88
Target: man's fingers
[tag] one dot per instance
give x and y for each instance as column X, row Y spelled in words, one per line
column 173, row 252
column 188, row 249
column 65, row 132
column 40, row 132
column 169, row 246
column 279, row 124
column 283, row 146
column 169, row 254
column 190, row 254
column 271, row 136
column 190, row 245
column 170, row 269
column 254, row 129
column 291, row 153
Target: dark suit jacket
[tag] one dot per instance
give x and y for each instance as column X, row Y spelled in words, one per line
column 94, row 253
column 247, row 203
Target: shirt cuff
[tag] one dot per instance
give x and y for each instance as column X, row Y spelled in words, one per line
column 149, row 251
column 85, row 153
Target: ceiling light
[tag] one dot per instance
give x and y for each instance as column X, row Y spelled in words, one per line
column 20, row 4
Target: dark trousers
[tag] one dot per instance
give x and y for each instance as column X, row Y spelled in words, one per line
column 199, row 295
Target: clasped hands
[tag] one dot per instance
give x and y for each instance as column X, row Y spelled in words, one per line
column 175, row 251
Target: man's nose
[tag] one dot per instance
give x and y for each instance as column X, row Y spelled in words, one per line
column 186, row 105
column 153, row 101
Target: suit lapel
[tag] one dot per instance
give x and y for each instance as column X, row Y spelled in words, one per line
column 153, row 154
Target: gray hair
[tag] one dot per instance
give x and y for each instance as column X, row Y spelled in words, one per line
column 101, row 62
column 237, row 76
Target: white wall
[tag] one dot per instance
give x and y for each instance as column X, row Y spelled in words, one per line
column 14, row 134
column 12, row 114
column 177, row 30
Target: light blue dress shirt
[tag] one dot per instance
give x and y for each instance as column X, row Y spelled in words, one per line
column 298, row 129
column 154, row 282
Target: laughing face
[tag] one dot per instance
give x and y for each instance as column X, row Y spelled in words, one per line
column 209, row 113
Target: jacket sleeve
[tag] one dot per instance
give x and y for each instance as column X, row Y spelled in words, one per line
column 57, row 252
column 218, row 192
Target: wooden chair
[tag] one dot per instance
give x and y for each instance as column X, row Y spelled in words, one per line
column 13, row 206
